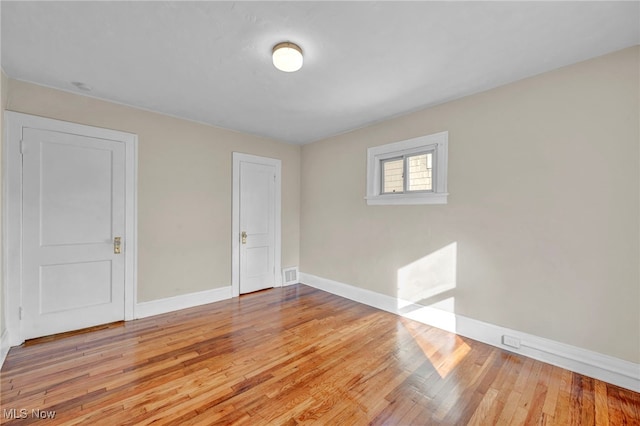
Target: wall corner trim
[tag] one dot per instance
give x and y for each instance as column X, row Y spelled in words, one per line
column 183, row 301
column 613, row 370
column 5, row 345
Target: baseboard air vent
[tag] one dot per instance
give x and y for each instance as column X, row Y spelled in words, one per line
column 290, row 276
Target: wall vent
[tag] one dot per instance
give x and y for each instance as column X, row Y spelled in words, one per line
column 290, row 276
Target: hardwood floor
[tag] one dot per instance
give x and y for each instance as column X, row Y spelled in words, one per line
column 289, row 356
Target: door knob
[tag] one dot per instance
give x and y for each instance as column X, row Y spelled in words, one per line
column 116, row 245
column 244, row 237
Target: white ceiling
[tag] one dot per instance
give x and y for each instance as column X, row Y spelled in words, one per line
column 364, row 61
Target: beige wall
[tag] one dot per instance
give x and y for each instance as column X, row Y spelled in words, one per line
column 544, row 205
column 3, row 102
column 184, row 188
column 543, row 208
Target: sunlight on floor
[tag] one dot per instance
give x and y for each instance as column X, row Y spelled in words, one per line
column 426, row 294
column 443, row 349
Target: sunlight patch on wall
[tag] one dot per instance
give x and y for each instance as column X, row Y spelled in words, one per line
column 428, row 276
column 423, row 287
column 438, row 315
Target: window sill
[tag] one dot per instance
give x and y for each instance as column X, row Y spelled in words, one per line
column 403, row 199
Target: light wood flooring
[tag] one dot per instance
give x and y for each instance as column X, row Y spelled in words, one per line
column 294, row 355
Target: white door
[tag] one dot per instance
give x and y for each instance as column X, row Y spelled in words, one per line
column 73, row 208
column 255, row 223
column 257, row 226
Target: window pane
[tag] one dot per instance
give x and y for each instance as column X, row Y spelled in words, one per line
column 392, row 171
column 420, row 169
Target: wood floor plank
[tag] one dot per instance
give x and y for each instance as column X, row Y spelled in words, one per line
column 601, row 407
column 553, row 387
column 510, row 407
column 481, row 413
column 564, row 407
column 290, row 356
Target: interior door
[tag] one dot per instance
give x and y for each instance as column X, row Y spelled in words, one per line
column 257, row 226
column 73, row 232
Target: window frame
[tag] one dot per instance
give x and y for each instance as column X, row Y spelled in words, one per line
column 437, row 144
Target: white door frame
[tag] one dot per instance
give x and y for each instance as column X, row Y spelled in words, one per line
column 235, row 218
column 12, row 210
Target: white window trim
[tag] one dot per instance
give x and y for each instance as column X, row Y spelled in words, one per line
column 438, row 143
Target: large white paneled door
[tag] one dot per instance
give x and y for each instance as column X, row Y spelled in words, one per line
column 74, row 227
column 73, row 222
column 256, row 223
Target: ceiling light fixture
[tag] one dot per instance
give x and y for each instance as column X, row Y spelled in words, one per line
column 287, row 56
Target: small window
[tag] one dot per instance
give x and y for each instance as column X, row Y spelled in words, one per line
column 393, row 175
column 408, row 172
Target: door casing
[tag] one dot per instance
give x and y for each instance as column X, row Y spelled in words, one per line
column 12, row 210
column 235, row 218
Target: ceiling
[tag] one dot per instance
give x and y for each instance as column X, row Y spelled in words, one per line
column 364, row 61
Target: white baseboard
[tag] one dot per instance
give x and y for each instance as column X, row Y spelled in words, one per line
column 602, row 367
column 4, row 346
column 184, row 301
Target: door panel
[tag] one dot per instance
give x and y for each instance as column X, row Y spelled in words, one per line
column 257, row 261
column 257, row 219
column 62, row 286
column 76, row 198
column 73, row 208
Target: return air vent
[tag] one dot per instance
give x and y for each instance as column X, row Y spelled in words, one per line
column 290, row 276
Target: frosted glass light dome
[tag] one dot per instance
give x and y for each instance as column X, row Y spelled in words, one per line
column 287, row 57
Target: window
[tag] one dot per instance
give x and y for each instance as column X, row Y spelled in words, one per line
column 409, row 173
column 413, row 171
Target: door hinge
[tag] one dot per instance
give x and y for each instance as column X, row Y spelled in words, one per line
column 20, row 312
column 21, row 146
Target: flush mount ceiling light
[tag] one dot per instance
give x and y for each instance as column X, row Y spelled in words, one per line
column 287, row 56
